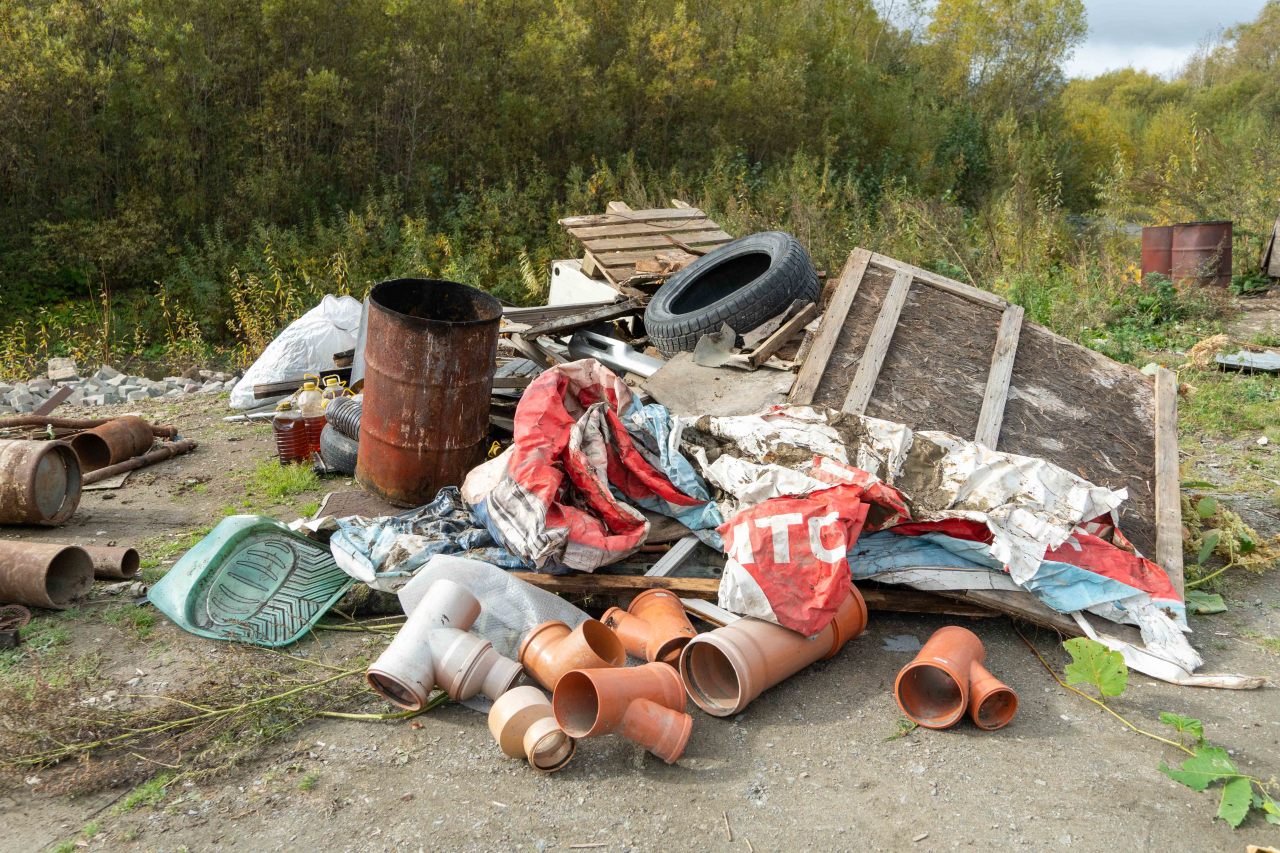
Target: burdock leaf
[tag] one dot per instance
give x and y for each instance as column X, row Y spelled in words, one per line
column 1093, row 663
column 1207, row 508
column 1207, row 545
column 1209, row 764
column 1237, row 796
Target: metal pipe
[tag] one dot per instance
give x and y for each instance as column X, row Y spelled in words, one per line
column 161, row 453
column 429, row 364
column 43, row 575
column 78, row 423
column 39, row 482
column 113, row 563
column 115, row 441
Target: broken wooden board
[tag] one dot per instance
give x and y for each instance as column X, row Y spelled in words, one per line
column 616, row 241
column 688, row 388
column 899, row 600
column 572, row 322
column 942, row 355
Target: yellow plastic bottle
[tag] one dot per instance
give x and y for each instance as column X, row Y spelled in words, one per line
column 310, row 403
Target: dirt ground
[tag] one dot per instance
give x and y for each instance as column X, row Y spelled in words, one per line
column 812, row 764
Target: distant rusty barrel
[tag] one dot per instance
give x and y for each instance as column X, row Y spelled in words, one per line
column 429, row 362
column 115, row 441
column 112, row 563
column 39, row 482
column 42, row 575
column 1157, row 250
column 1202, row 253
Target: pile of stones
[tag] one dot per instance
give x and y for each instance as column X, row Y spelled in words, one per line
column 107, row 386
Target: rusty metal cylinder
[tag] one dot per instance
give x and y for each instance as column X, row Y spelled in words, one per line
column 1157, row 250
column 115, row 441
column 1201, row 253
column 429, row 361
column 119, row 564
column 39, row 482
column 42, row 575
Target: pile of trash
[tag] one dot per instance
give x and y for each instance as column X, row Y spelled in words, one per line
column 506, row 456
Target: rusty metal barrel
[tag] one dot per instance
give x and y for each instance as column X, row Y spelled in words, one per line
column 43, row 575
column 115, row 441
column 1202, row 253
column 1157, row 250
column 429, row 361
column 39, row 482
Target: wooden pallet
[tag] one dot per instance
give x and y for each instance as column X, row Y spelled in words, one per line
column 905, row 344
column 615, row 241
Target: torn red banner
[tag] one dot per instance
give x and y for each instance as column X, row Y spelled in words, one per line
column 787, row 557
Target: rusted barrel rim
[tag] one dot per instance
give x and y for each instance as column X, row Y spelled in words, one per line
column 384, row 294
column 21, row 499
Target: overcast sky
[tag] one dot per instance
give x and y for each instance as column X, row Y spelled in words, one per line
column 1154, row 35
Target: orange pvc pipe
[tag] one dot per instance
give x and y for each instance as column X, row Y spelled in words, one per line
column 644, row 704
column 726, row 669
column 947, row 678
column 552, row 649
column 654, row 627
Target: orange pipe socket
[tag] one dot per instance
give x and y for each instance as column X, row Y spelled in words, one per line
column 644, row 704
column 947, row 678
column 653, row 628
column 552, row 649
column 522, row 723
column 434, row 647
column 725, row 669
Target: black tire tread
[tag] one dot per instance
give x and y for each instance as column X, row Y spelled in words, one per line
column 337, row 450
column 792, row 277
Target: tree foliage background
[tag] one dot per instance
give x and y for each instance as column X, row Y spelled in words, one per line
column 178, row 177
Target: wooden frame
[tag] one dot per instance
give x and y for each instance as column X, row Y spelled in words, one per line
column 821, row 345
column 615, row 241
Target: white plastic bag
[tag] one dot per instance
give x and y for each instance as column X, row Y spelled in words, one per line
column 307, row 345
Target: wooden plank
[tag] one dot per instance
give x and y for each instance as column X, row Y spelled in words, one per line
column 590, row 267
column 609, row 260
column 276, row 389
column 535, row 352
column 864, row 381
column 564, row 325
column 1168, row 482
column 640, row 229
column 992, row 415
column 540, row 313
column 600, row 584
column 683, row 205
column 664, row 240
column 59, row 397
column 964, row 291
column 655, row 215
column 512, row 383
column 617, row 207
column 785, row 332
column 815, row 362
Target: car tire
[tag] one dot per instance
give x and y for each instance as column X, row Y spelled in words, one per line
column 338, row 451
column 743, row 284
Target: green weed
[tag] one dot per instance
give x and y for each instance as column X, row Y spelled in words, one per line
column 308, row 781
column 140, row 620
column 276, row 481
column 149, row 793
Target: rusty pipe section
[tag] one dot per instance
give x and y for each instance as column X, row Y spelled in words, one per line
column 158, row 430
column 429, row 362
column 116, row 564
column 42, row 575
column 114, row 442
column 161, row 453
column 39, row 482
